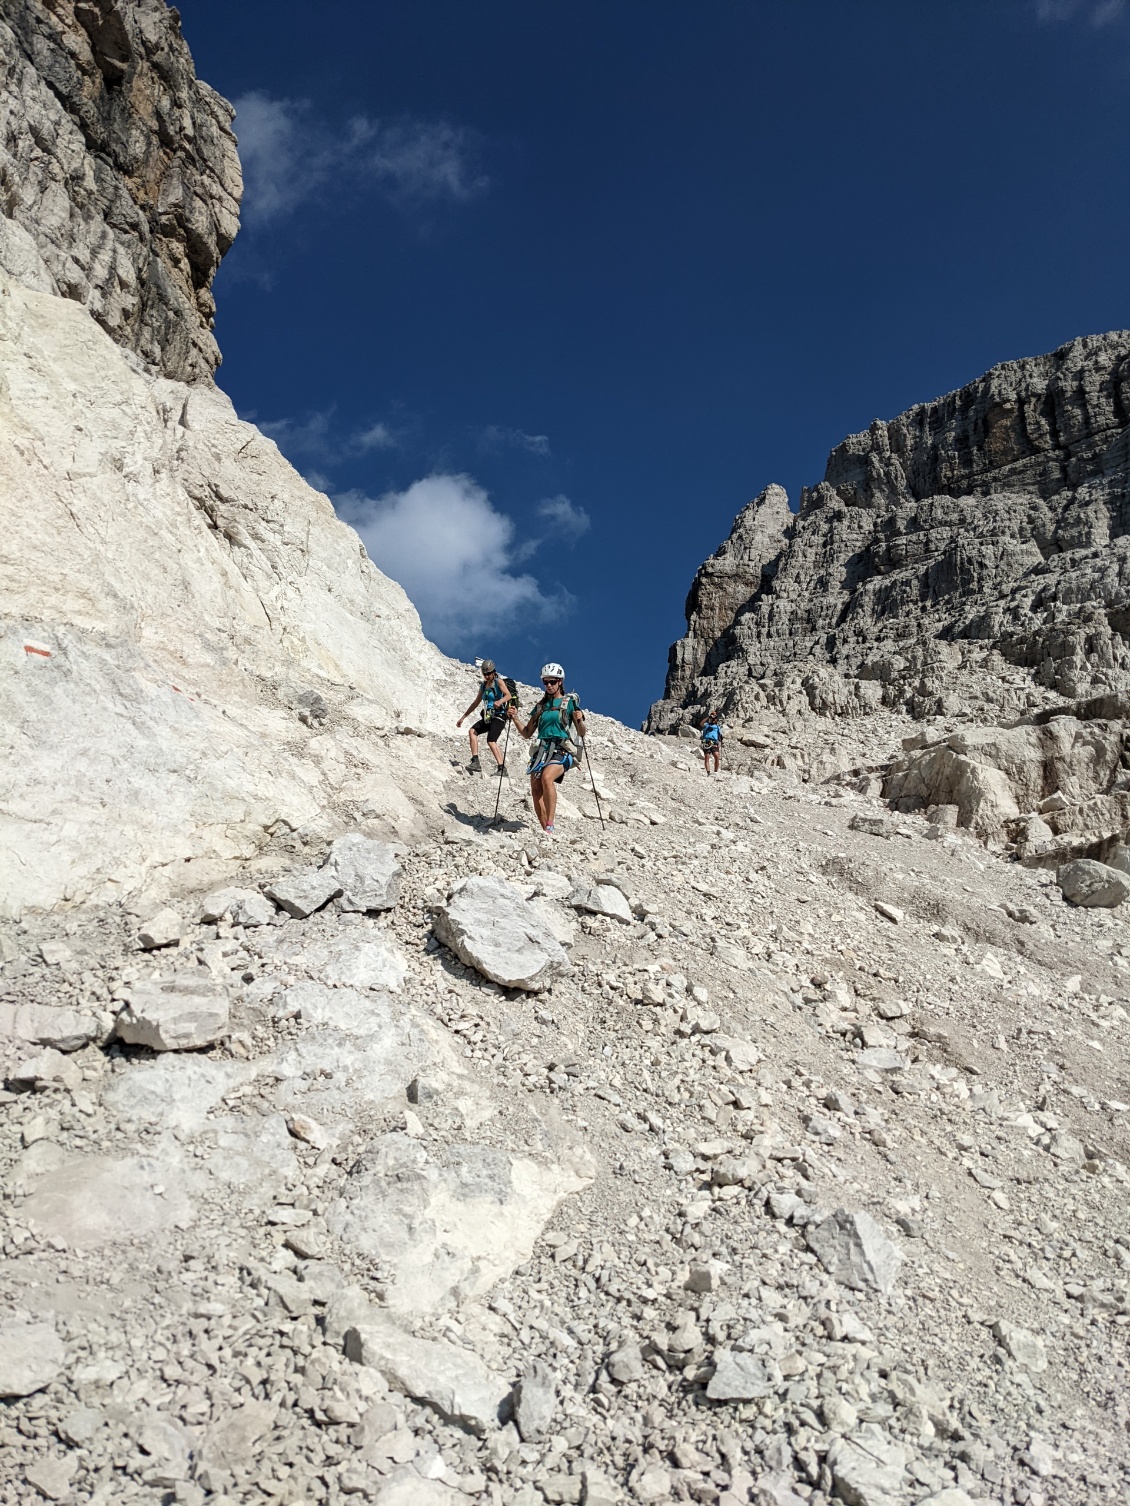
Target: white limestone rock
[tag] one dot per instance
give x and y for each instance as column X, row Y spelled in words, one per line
column 492, row 928
column 451, row 1380
column 181, row 575
column 1092, row 885
column 96, row 1200
column 853, row 1249
column 175, row 1014
column 31, row 1357
column 356, row 960
column 48, row 1025
column 742, row 1377
column 448, row 1226
column 302, row 894
column 868, row 1469
column 367, row 872
column 161, row 930
column 602, row 899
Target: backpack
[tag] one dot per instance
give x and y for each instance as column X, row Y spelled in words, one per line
column 512, row 687
column 711, row 735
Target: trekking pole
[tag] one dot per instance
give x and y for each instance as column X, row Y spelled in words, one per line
column 498, row 793
column 592, row 777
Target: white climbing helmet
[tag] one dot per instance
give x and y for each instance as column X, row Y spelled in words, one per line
column 552, row 672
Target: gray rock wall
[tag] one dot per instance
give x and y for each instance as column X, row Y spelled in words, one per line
column 970, row 555
column 120, row 182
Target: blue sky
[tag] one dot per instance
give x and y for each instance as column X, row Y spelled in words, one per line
column 542, row 294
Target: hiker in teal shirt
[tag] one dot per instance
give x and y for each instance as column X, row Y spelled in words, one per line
column 495, row 697
column 559, row 723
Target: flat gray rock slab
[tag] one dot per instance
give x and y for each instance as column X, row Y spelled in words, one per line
column 742, row 1377
column 1092, row 885
column 303, row 893
column 490, row 926
column 367, row 871
column 48, row 1025
column 175, row 1014
column 868, row 1468
column 95, row 1200
column 175, row 1092
column 344, row 1008
column 452, row 1381
column 448, row 1227
column 853, row 1249
column 31, row 1356
column 881, row 1059
column 356, row 961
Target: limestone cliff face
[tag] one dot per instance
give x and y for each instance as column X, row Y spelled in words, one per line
column 119, row 177
column 196, row 655
column 972, row 554
column 726, row 582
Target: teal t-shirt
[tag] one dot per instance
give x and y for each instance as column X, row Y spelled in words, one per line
column 491, row 694
column 555, row 717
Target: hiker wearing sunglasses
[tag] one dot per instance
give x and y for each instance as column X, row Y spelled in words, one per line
column 495, row 697
column 559, row 724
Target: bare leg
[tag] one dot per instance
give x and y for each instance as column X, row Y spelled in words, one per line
column 537, row 797
column 496, row 750
column 549, row 778
column 474, row 744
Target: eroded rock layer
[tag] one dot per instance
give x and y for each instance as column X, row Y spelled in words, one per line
column 119, row 177
column 971, row 555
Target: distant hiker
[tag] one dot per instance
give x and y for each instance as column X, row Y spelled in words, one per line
column 710, row 735
column 559, row 724
column 495, row 697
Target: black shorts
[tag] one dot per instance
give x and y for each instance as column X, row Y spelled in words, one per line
column 492, row 728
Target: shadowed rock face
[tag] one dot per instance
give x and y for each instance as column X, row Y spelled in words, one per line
column 120, row 182
column 977, row 536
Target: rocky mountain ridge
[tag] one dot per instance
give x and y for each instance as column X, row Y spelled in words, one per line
column 969, row 557
column 120, row 182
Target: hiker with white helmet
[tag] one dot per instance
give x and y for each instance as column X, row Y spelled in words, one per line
column 559, row 723
column 495, row 697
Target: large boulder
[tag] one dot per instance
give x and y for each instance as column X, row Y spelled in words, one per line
column 366, row 871
column 490, row 926
column 1092, row 885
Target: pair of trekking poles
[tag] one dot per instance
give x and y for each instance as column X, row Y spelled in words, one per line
column 585, row 755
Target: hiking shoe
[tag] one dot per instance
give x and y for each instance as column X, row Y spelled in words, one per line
column 474, row 766
column 503, row 772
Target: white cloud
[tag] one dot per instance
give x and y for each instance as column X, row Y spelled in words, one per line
column 1099, row 13
column 377, row 437
column 453, row 553
column 496, row 437
column 302, row 436
column 291, row 154
column 316, row 437
column 565, row 518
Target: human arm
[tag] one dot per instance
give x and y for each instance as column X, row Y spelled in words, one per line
column 470, row 708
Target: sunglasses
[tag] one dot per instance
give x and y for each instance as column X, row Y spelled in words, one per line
column 551, row 682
